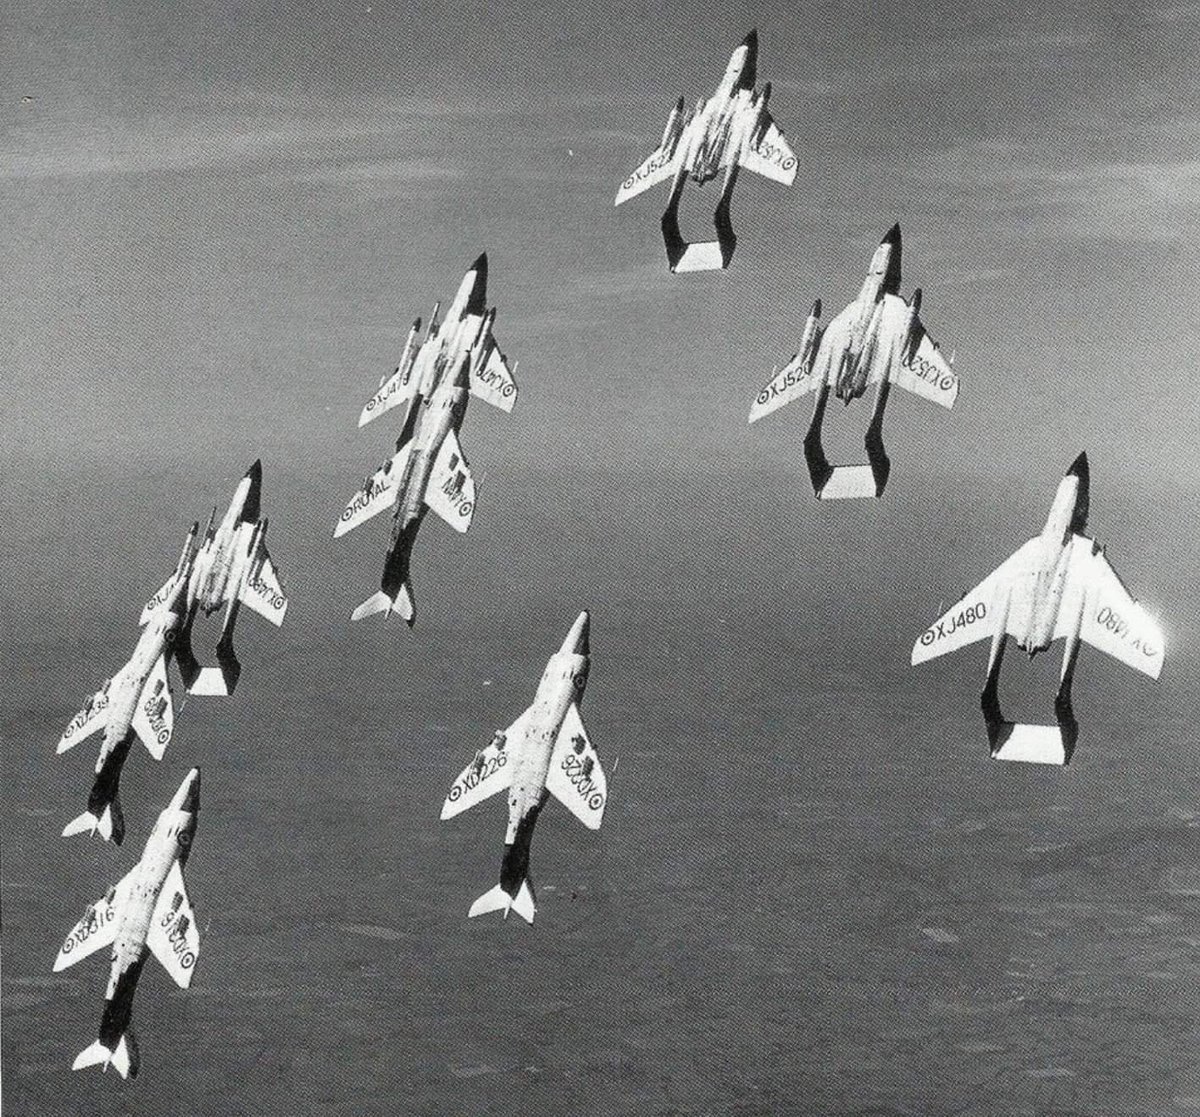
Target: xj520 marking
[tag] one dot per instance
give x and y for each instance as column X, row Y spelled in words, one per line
column 732, row 129
column 878, row 339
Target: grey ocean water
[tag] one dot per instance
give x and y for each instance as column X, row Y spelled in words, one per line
column 813, row 892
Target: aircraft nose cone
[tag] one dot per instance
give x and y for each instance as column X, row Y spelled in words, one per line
column 892, row 236
column 577, row 639
column 1079, row 467
column 187, row 798
column 254, row 473
column 750, row 42
column 480, row 266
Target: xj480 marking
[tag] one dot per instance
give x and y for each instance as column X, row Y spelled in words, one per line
column 942, row 629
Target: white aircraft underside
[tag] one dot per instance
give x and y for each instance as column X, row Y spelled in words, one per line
column 731, row 130
column 147, row 912
column 1059, row 585
column 458, row 358
column 544, row 752
column 880, row 340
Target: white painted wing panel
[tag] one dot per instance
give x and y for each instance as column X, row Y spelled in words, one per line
column 397, row 389
column 154, row 717
column 1112, row 620
column 91, row 719
column 575, row 777
column 490, row 772
column 789, row 383
column 173, row 937
column 263, row 591
column 97, row 928
column 975, row 615
column 493, row 382
column 377, row 495
column 655, row 169
column 771, row 157
column 927, row 373
column 451, row 489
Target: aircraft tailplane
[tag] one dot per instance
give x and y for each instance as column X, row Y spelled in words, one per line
column 383, row 602
column 496, row 899
column 123, row 1057
column 110, row 825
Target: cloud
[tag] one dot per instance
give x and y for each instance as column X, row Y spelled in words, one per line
column 1027, row 188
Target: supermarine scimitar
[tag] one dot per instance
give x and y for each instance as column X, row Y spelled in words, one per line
column 146, row 912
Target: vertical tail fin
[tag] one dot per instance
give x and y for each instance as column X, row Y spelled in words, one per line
column 123, row 1057
column 496, row 899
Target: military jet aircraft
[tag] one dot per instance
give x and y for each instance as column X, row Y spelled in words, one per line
column 232, row 568
column 1059, row 584
column 428, row 469
column 878, row 339
column 545, row 751
column 147, row 911
column 135, row 701
column 732, row 129
column 466, row 335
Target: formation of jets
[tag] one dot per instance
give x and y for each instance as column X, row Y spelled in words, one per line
column 1058, row 585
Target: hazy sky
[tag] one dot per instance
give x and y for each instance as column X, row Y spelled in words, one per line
column 223, row 219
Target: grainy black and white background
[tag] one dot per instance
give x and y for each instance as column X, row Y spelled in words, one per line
column 813, row 893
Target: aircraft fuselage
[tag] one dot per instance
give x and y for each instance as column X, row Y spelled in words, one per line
column 1034, row 607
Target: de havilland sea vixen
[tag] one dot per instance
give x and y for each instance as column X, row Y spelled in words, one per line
column 147, row 911
column 1059, row 584
column 135, row 701
column 232, row 568
column 732, row 129
column 878, row 339
column 544, row 752
column 458, row 358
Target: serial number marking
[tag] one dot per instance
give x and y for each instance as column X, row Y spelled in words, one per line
column 579, row 774
column 1113, row 622
column 942, row 629
column 494, row 378
column 92, row 922
column 389, row 389
column 155, row 708
column 930, row 373
column 656, row 162
column 781, row 384
column 483, row 768
column 94, row 705
column 773, row 153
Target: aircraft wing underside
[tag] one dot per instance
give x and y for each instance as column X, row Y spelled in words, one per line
column 771, row 157
column 977, row 613
column 1111, row 620
column 174, row 937
column 575, row 777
